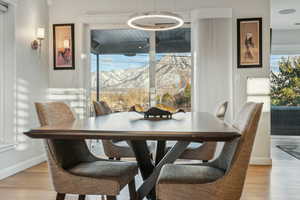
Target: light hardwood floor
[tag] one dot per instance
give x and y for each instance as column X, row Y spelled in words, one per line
column 279, row 182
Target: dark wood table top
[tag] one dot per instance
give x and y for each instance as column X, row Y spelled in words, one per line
column 193, row 126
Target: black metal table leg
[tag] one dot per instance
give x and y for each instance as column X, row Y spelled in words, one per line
column 144, row 161
column 150, row 172
column 160, row 151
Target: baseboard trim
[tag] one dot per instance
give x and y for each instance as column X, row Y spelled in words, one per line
column 7, row 147
column 261, row 161
column 12, row 170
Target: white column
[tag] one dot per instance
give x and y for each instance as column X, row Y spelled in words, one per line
column 212, row 63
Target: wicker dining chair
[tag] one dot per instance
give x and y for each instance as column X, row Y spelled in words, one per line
column 74, row 169
column 204, row 151
column 115, row 149
column 221, row 179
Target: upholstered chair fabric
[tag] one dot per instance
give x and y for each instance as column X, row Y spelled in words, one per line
column 115, row 148
column 221, row 110
column 101, row 108
column 72, row 167
column 199, row 151
column 204, row 151
column 221, row 179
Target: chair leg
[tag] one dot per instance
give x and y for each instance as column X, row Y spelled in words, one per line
column 151, row 156
column 132, row 190
column 81, row 197
column 111, row 197
column 60, row 196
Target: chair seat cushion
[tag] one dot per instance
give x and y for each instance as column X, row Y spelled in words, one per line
column 188, row 174
column 105, row 169
column 197, row 151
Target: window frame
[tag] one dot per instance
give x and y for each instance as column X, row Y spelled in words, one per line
column 152, row 62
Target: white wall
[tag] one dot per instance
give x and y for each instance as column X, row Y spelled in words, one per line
column 78, row 11
column 32, row 81
column 212, row 57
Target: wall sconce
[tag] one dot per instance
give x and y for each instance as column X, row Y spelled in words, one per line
column 40, row 35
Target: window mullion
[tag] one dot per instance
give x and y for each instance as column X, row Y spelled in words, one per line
column 98, row 78
column 152, row 66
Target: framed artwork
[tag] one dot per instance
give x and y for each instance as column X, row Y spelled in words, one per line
column 63, row 47
column 249, row 42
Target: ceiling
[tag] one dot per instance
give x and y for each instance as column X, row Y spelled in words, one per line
column 131, row 42
column 279, row 21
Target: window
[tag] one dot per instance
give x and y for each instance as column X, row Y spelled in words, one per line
column 285, row 80
column 258, row 90
column 285, row 94
column 120, row 68
column 277, row 59
column 137, row 67
column 173, row 80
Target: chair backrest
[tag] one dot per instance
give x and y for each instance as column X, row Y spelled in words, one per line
column 246, row 122
column 235, row 156
column 221, row 110
column 66, row 153
column 54, row 113
column 101, row 108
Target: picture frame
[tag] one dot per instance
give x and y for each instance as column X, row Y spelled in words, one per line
column 63, row 47
column 249, row 43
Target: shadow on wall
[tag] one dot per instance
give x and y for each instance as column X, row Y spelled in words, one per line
column 75, row 97
column 22, row 114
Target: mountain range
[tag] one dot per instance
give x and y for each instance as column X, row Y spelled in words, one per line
column 171, row 71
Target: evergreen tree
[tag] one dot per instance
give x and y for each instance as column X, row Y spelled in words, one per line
column 285, row 85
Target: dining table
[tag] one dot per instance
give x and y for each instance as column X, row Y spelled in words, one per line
column 183, row 128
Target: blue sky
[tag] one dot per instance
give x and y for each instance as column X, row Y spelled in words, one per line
column 274, row 62
column 116, row 61
column 275, row 59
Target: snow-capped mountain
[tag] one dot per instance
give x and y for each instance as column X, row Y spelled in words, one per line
column 171, row 71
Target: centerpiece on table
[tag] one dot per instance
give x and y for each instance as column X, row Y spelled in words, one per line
column 159, row 111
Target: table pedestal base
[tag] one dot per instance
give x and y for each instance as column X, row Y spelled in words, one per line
column 148, row 170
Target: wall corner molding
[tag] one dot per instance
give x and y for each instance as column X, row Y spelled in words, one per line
column 7, row 147
column 12, row 170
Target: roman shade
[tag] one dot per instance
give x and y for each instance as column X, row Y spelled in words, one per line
column 3, row 7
